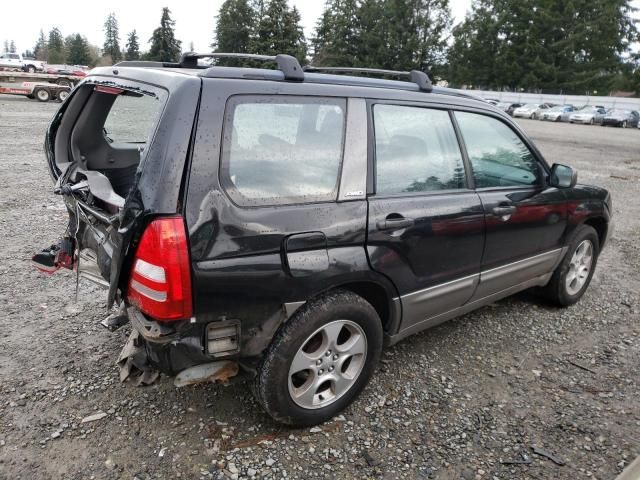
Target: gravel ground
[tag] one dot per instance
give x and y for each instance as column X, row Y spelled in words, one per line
column 459, row 401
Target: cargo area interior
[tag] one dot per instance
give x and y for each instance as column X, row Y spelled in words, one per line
column 110, row 131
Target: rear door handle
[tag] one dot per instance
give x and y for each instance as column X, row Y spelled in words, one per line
column 395, row 223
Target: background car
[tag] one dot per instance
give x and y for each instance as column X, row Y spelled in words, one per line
column 530, row 110
column 621, row 118
column 589, row 114
column 508, row 107
column 559, row 113
column 66, row 70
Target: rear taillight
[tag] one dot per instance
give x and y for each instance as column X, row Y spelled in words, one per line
column 160, row 281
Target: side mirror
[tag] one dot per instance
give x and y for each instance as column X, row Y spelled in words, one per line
column 562, row 176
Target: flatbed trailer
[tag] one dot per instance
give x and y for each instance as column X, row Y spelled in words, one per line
column 8, row 77
column 43, row 92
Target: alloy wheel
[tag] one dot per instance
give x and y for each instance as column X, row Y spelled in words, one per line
column 327, row 364
column 579, row 267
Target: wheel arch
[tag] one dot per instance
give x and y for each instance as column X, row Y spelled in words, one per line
column 380, row 298
column 601, row 226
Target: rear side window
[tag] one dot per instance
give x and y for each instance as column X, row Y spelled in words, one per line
column 279, row 150
column 499, row 158
column 416, row 150
column 132, row 117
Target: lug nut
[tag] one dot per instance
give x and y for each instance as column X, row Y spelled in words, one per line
column 335, row 357
column 319, row 361
column 320, row 372
column 328, row 354
column 331, row 369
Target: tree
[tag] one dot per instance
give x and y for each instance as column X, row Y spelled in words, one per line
column 78, row 50
column 111, row 39
column 133, row 46
column 278, row 30
column 55, row 47
column 12, row 47
column 234, row 29
column 6, row 45
column 164, row 45
column 40, row 49
column 337, row 39
column 574, row 46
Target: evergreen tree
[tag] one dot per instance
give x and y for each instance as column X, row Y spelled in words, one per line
column 6, row 46
column 278, row 30
column 78, row 50
column 337, row 37
column 234, row 27
column 40, row 48
column 164, row 45
column 12, row 47
column 133, row 47
column 112, row 39
column 570, row 46
column 55, row 47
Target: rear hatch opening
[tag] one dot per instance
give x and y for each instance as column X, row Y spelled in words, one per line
column 96, row 146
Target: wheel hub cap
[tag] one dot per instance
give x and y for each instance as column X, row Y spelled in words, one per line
column 328, row 364
column 579, row 267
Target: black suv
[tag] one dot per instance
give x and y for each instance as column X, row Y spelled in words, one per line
column 287, row 223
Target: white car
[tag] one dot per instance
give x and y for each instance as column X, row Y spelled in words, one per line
column 15, row 61
column 529, row 110
column 588, row 114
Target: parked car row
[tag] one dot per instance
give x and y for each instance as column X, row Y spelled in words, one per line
column 589, row 114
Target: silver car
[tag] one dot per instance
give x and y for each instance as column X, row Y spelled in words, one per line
column 621, row 118
column 589, row 114
column 530, row 110
column 559, row 113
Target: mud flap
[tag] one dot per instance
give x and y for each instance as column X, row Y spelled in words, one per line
column 133, row 362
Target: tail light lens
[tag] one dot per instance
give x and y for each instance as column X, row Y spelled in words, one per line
column 160, row 281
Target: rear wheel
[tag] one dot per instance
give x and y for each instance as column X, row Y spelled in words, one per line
column 320, row 359
column 63, row 82
column 573, row 275
column 624, row 124
column 592, row 121
column 42, row 94
column 62, row 95
column 31, row 69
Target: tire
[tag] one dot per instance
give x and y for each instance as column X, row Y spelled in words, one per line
column 624, row 124
column 563, row 292
column 42, row 94
column 592, row 121
column 333, row 315
column 31, row 69
column 63, row 82
column 62, row 95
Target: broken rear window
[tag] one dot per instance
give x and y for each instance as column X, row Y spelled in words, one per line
column 132, row 117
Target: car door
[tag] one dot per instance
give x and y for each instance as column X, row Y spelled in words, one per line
column 425, row 226
column 525, row 219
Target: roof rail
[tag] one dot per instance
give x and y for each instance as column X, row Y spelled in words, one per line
column 416, row 76
column 287, row 64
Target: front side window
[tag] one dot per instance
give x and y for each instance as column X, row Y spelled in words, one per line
column 498, row 156
column 279, row 149
column 416, row 150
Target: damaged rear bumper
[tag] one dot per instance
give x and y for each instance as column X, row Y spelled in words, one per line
column 173, row 349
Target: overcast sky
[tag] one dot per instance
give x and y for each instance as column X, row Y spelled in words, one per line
column 195, row 20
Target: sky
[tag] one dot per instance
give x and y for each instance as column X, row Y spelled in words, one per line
column 195, row 20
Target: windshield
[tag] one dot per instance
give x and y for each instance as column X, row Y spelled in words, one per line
column 619, row 112
column 531, row 105
column 504, row 104
column 556, row 109
column 587, row 109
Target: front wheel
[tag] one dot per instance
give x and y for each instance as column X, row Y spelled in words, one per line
column 31, row 69
column 624, row 124
column 320, row 359
column 573, row 275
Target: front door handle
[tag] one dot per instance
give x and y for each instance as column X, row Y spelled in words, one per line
column 395, row 223
column 504, row 211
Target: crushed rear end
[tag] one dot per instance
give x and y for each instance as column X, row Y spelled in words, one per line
column 118, row 152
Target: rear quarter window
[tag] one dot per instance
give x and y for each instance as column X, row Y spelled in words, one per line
column 282, row 149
